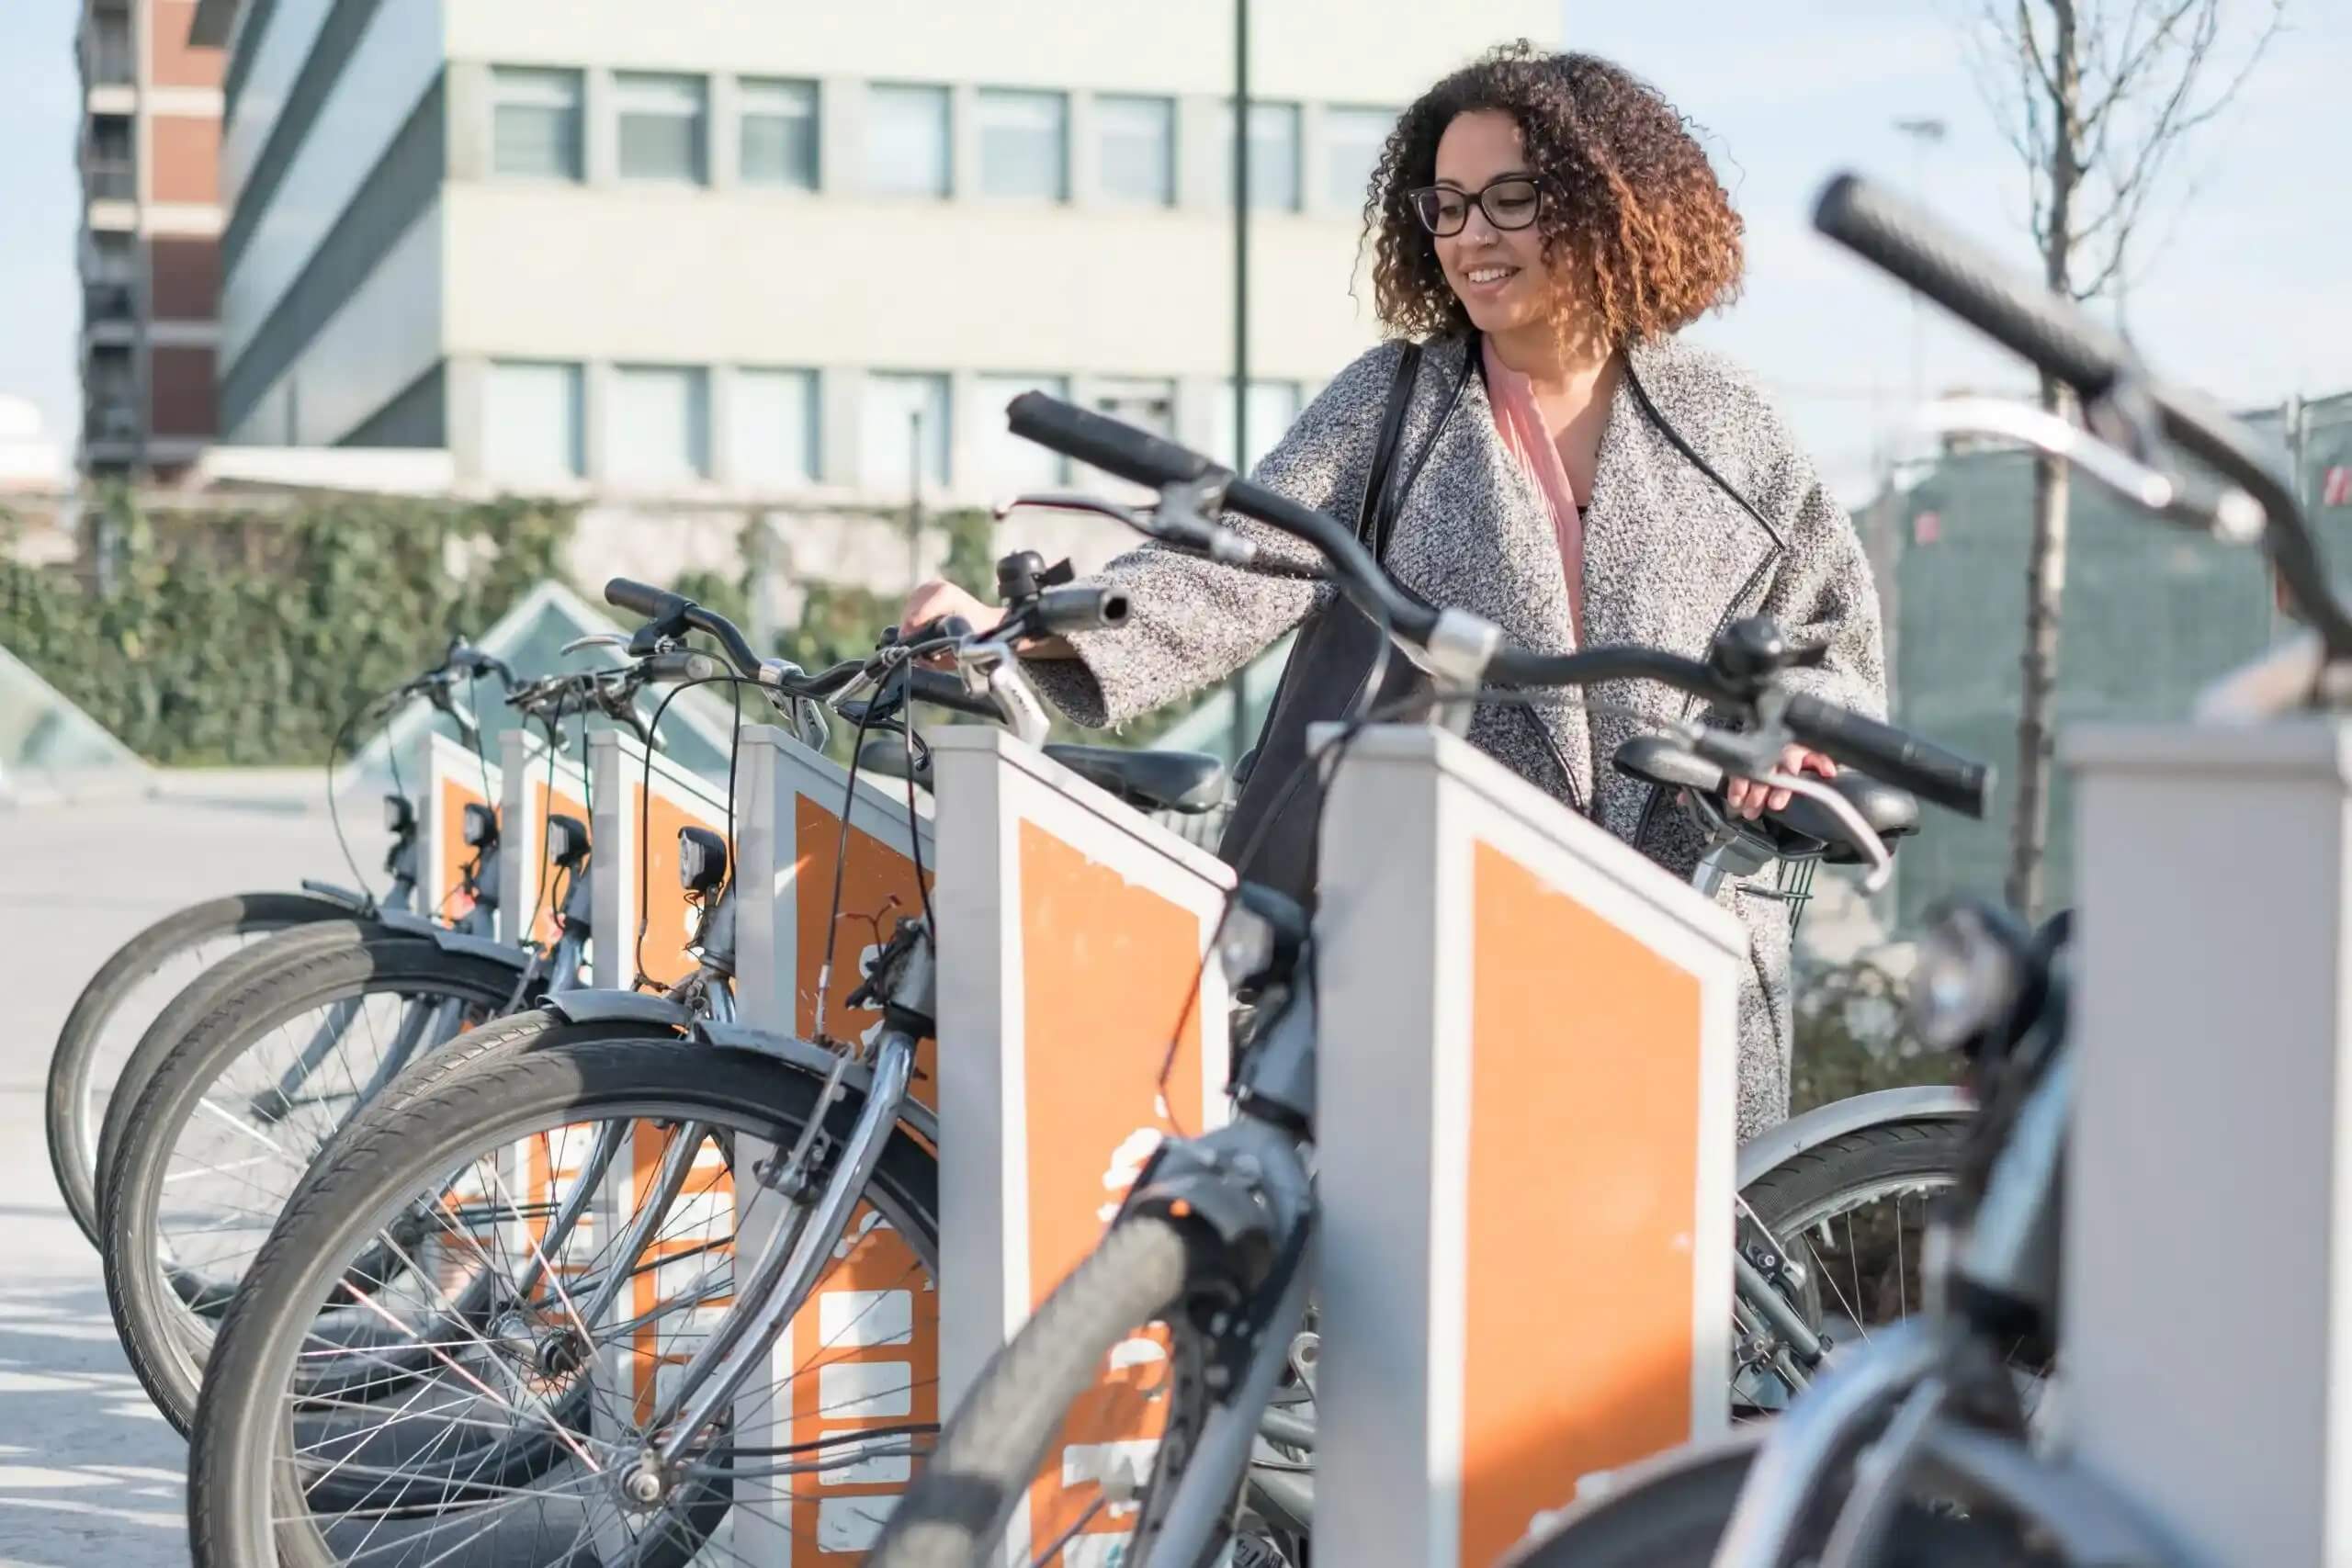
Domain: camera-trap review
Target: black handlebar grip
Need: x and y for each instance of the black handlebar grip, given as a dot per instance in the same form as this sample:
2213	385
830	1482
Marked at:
1892	755
1081	607
1883	228
1108	445
643	599
941	690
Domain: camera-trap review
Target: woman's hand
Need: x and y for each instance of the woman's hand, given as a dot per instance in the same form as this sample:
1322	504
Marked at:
1749	799
938	599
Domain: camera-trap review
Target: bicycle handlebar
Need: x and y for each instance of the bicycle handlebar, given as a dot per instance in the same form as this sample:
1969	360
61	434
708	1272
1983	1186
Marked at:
2057	338
1883	751
1900	758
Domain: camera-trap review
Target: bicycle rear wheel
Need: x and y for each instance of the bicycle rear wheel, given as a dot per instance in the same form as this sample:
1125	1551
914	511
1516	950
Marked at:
129	993
202	1176
476	1462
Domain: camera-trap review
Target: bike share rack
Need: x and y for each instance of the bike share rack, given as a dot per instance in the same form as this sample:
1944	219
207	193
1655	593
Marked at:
2207	1312
1525	1131
864	1351
1080	1027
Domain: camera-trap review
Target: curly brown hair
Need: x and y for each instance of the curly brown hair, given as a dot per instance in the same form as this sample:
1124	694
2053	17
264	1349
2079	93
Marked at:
1633	216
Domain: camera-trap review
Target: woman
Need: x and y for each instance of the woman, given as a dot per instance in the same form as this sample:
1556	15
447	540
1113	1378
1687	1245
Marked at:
1543	225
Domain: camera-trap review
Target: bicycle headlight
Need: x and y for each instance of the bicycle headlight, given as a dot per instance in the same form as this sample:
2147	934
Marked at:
399	816
567	840
481	825
1967	979
702	861
1245	946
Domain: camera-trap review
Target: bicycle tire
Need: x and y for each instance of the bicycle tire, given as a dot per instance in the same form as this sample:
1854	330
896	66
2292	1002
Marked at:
993	1447
72	1062
244	1506
1913	1148
1671	1514
195	1002
150	1314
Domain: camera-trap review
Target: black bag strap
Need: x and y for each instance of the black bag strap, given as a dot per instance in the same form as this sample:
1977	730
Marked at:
1376	515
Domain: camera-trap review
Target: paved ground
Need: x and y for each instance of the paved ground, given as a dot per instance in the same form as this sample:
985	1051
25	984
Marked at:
89	1474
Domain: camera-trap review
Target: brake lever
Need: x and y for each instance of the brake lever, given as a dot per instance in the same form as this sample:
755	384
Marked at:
595	639
1870	844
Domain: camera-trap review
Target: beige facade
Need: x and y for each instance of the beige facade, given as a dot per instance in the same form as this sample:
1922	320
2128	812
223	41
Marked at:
724	252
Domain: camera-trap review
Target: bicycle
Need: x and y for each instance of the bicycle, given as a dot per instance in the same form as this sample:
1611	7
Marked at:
264	1060
89	1066
1919	1449
596	1073
1213	1239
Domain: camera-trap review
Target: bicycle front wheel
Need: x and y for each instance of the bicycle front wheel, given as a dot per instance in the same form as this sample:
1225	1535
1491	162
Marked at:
224	1133
958	1510
1671	1514
130	992
549	1291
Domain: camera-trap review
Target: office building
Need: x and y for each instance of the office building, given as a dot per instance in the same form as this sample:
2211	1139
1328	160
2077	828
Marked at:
772	250
150	238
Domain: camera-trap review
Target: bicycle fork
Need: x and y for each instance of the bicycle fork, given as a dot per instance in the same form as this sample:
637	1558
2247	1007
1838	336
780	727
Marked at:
796	1257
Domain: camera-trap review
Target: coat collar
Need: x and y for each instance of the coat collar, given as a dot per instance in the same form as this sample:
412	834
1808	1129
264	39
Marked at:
1662	554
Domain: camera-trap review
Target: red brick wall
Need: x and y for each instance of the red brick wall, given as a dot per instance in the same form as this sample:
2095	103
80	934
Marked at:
184	277
180	397
171	62
187	158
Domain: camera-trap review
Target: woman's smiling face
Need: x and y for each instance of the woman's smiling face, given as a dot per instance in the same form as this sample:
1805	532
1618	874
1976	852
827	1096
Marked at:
1497	274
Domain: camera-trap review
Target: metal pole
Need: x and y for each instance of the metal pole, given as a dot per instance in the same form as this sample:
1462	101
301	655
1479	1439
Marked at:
914	497
1238	738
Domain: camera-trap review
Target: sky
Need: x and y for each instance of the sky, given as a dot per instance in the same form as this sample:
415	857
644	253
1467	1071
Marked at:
2246	295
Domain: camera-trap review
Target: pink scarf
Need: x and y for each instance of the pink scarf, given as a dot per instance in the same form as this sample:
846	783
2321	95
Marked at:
1521	424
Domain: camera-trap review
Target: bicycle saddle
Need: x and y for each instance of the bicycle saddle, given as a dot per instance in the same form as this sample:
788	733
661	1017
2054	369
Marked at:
1188	783
1801	828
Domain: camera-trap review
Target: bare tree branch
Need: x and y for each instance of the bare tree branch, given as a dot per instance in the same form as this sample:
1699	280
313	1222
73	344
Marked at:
2124	77
2030	53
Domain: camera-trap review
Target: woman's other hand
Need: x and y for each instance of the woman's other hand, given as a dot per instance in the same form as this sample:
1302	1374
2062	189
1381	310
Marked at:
1749	799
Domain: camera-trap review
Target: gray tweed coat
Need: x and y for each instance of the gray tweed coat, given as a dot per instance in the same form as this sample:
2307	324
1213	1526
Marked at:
1668	557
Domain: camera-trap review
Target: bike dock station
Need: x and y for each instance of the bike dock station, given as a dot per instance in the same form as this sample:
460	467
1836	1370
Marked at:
864	1352
1081	1026
2213	1090
1472	1374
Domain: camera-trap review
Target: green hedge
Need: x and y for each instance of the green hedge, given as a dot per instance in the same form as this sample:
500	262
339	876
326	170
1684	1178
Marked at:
247	637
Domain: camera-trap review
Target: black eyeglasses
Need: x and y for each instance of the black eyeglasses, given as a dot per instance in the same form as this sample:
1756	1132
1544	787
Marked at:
1509	203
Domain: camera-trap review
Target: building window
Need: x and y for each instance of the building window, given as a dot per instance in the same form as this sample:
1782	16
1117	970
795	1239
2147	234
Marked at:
1273	405
658	430
778	133
907	141
1136	149
531	422
902	414
1012	464
1145	404
1024	144
772	427
662	120
110	57
535	123
1274	156
1352	141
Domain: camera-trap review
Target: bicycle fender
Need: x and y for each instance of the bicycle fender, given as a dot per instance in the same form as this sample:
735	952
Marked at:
1930	1103
613	1006
357	903
814	1060
448	941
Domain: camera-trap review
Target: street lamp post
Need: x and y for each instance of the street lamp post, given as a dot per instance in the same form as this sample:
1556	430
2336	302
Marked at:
1924	131
1237	728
